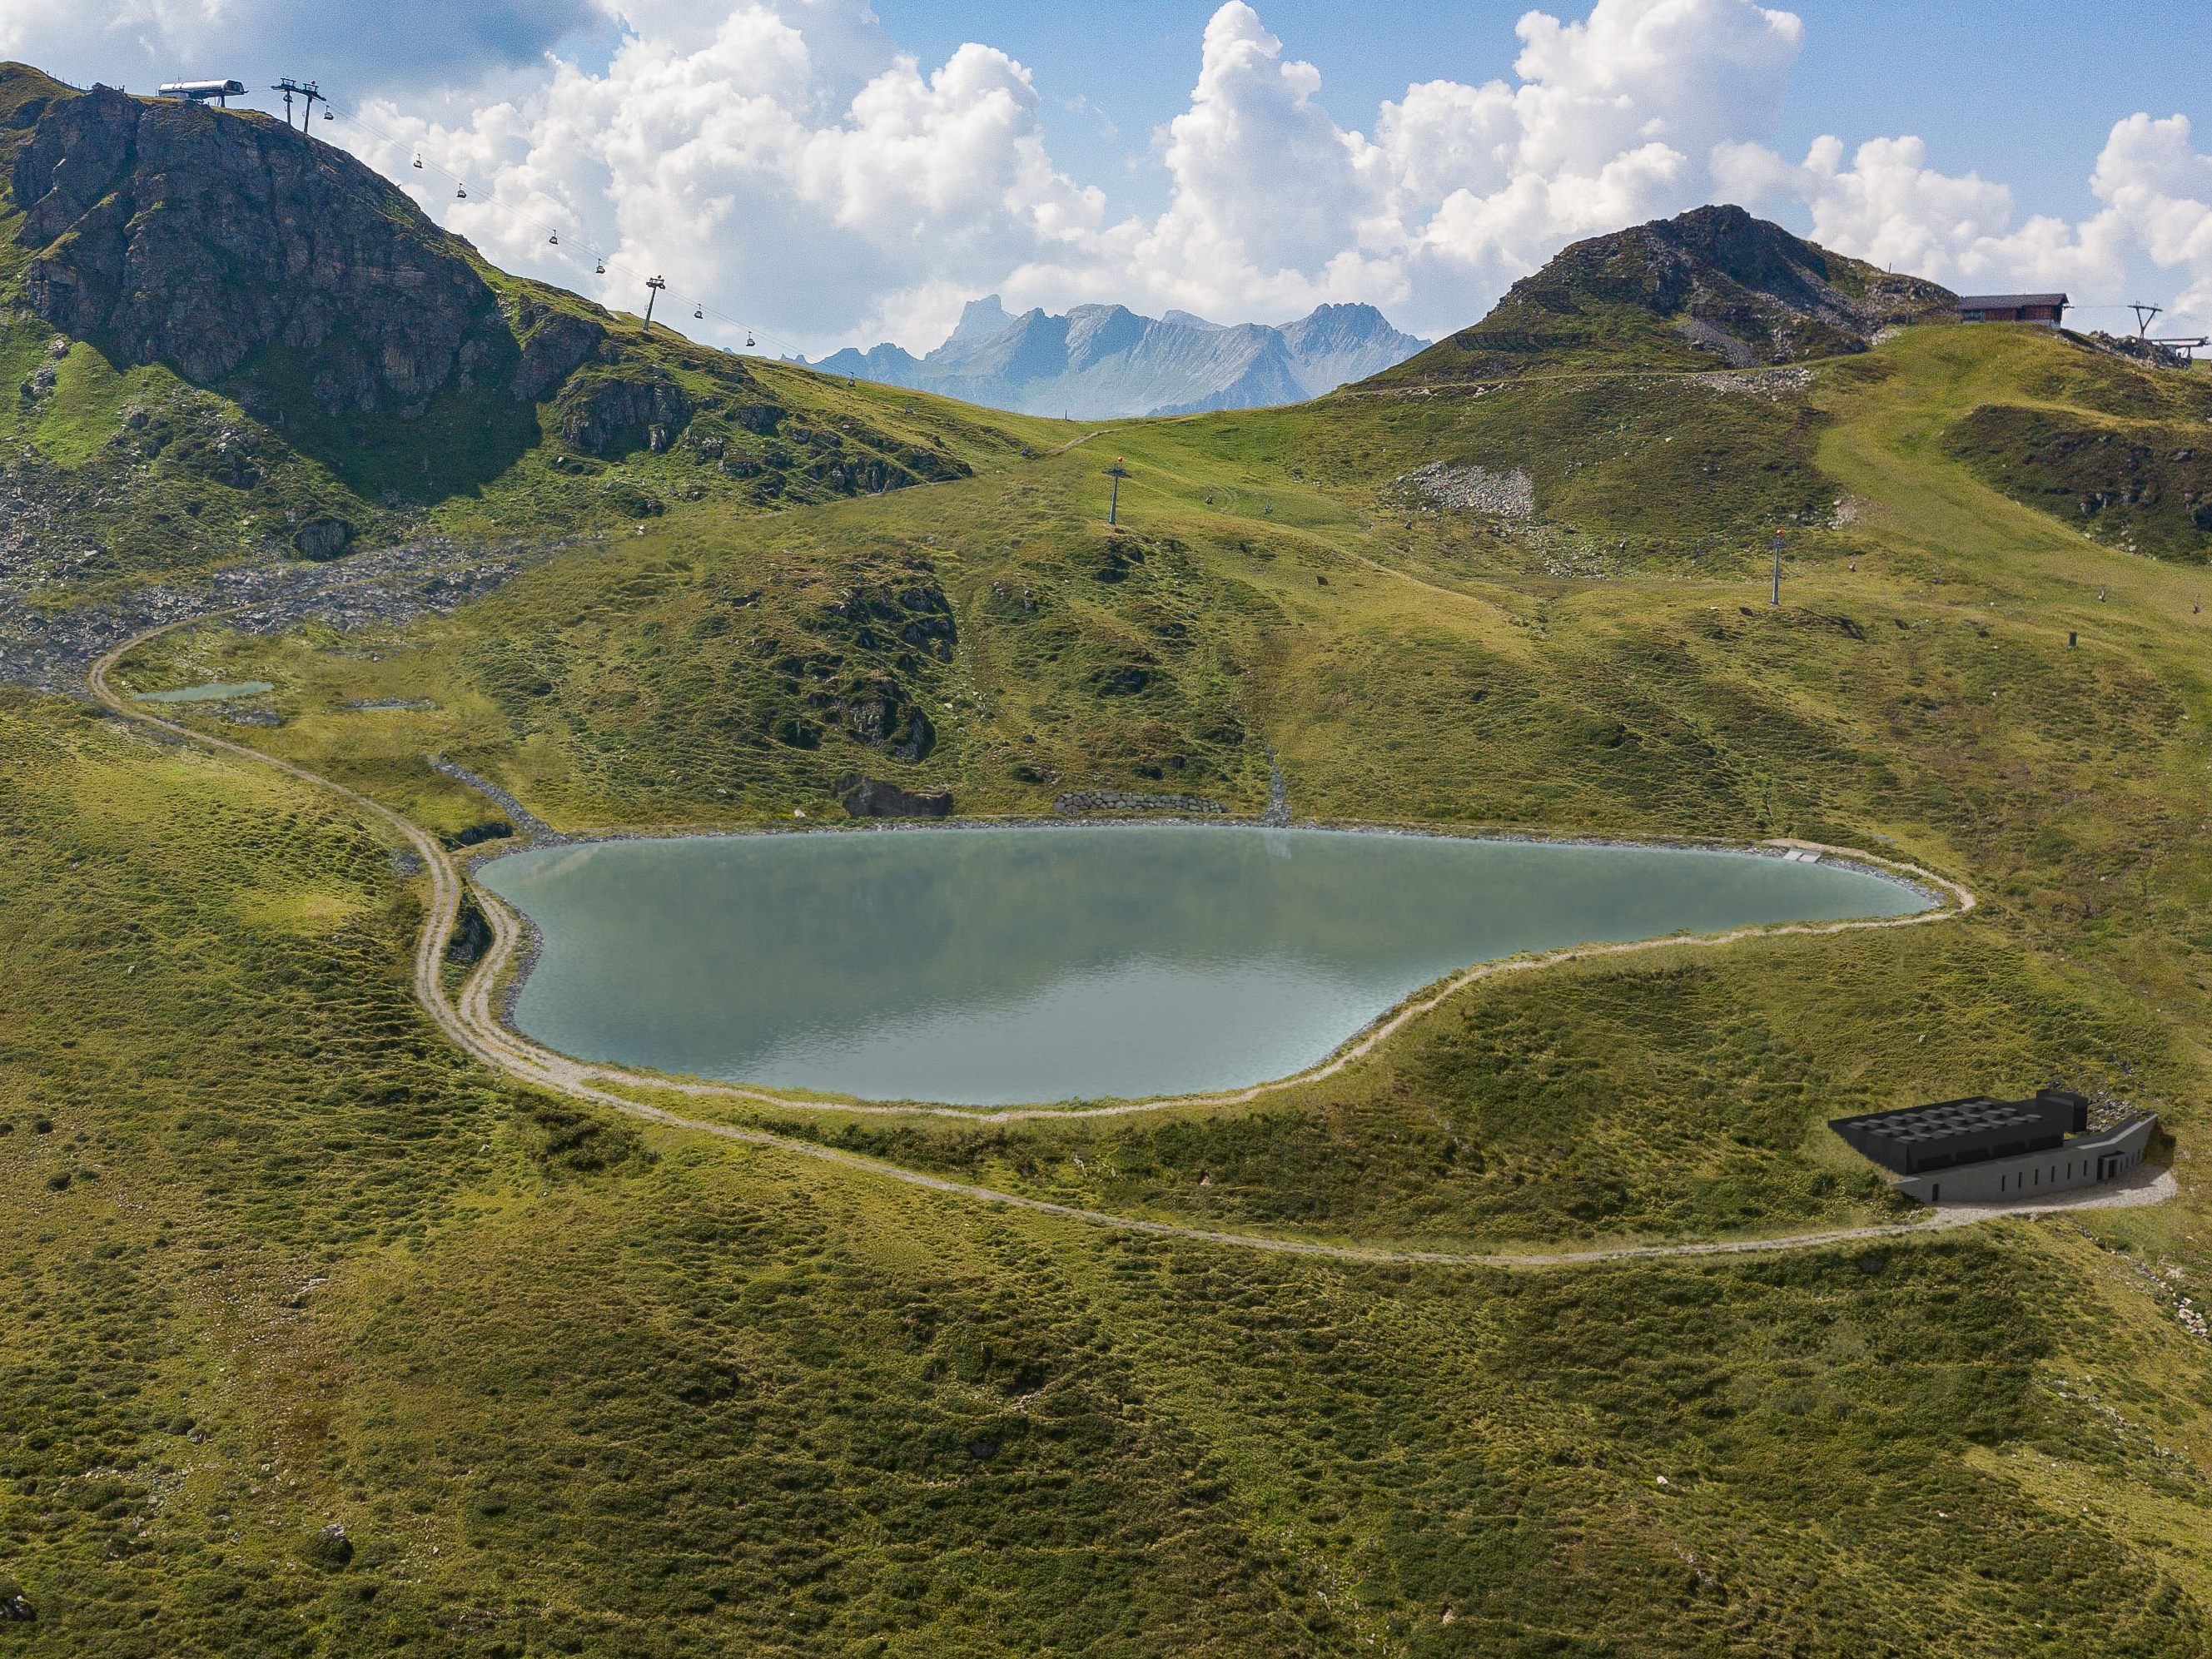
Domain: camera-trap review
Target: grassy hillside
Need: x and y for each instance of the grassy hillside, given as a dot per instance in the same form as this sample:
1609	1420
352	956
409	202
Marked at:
1908	1418
571	1387
136	453
568	1382
1605	664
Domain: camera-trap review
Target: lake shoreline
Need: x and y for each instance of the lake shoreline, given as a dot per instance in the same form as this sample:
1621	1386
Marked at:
1871	864
1934	897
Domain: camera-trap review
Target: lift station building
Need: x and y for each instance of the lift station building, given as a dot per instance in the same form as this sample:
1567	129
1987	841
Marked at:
1979	1150
2049	309
198	92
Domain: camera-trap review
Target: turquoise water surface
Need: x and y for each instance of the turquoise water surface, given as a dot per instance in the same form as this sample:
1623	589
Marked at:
987	967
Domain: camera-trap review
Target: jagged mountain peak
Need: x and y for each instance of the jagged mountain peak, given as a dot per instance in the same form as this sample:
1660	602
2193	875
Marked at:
1102	360
980	319
1340	313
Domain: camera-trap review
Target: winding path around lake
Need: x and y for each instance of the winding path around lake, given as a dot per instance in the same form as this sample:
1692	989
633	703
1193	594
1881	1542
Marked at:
472	1024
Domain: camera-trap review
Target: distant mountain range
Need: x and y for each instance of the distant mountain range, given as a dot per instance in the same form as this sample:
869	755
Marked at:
1103	361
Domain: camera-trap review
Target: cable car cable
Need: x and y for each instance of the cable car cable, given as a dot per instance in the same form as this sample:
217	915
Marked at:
701	311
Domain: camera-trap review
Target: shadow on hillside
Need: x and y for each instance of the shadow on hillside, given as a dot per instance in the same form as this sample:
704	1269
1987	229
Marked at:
469	434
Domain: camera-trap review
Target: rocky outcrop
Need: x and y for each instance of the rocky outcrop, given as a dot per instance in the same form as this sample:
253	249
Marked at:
616	410
2151	354
320	538
553	345
916	614
885	715
471	935
1709	287
222	451
209	240
871	663
871	798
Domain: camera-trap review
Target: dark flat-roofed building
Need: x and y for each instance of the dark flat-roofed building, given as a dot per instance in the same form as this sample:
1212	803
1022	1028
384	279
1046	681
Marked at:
2049	308
1986	1150
1917	1138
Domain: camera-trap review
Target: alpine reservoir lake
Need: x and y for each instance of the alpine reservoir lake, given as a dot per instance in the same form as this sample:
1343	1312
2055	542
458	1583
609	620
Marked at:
992	967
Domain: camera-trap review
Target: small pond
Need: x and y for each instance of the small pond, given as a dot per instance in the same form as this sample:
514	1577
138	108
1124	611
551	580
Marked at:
213	691
988	967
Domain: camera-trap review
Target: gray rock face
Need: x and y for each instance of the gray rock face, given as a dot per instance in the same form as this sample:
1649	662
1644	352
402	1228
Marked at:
871	798
615	412
885	716
175	234
230	248
555	344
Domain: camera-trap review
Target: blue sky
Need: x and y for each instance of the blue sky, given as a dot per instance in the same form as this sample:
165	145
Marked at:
2026	102
823	171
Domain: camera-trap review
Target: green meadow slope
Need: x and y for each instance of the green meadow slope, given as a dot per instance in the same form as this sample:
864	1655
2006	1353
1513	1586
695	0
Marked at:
223	339
570	1382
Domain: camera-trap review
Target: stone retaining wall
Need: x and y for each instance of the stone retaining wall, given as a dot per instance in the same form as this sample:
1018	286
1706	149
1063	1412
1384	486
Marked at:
1077	801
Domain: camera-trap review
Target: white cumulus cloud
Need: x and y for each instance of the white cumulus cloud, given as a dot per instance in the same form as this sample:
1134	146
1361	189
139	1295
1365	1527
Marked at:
2156	183
1889	204
785	164
1275	207
801	173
